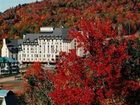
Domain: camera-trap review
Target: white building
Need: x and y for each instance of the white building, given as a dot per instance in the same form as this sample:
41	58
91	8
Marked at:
41	47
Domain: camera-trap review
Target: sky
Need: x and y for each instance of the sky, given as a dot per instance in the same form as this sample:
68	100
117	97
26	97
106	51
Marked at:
6	4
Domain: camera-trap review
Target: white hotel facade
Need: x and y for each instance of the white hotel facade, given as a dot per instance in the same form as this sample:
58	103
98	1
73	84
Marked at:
41	47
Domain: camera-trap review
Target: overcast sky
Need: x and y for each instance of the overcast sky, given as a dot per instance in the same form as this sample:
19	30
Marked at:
6	4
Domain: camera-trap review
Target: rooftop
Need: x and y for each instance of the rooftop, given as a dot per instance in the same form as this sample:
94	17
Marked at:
3	93
6	59
45	33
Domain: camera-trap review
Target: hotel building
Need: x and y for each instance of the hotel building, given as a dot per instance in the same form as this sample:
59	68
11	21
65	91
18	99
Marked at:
41	47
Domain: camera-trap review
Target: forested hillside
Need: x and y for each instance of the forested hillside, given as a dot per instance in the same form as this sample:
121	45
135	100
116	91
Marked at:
27	18
108	73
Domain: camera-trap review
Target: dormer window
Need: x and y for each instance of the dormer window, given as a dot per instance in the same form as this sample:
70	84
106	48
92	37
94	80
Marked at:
27	40
40	37
24	43
20	47
35	42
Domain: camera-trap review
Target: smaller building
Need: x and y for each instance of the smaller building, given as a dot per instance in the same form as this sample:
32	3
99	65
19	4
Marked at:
7	98
8	66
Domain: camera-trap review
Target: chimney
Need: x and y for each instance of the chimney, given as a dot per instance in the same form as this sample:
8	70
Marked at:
23	36
46	29
4	41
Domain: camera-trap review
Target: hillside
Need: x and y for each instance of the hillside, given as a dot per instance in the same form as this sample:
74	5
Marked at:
27	18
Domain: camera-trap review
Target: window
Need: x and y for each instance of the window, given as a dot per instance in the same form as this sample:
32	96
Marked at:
19	57
24	55
52	49
32	48
44	49
43	42
75	45
36	55
52	59
48	55
56	49
48	48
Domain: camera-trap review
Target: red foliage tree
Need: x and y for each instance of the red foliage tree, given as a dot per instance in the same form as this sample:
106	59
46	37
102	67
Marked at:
34	74
97	75
36	85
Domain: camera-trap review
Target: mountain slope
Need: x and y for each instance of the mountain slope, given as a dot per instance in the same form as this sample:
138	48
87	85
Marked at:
29	17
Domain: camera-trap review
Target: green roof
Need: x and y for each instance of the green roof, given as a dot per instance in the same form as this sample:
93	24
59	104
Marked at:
3	93
1	59
6	59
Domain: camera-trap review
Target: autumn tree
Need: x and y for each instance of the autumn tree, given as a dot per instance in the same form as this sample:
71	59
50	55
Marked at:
123	13
96	77
36	86
131	70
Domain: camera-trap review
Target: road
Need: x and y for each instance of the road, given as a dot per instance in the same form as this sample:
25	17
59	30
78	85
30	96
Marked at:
12	78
